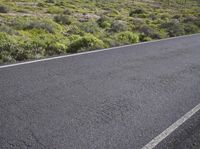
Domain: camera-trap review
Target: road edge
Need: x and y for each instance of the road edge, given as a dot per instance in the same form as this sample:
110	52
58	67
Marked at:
90	52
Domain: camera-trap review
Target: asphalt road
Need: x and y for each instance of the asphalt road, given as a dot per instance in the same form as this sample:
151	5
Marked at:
116	99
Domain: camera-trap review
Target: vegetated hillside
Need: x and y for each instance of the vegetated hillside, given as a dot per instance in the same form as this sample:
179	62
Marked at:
31	29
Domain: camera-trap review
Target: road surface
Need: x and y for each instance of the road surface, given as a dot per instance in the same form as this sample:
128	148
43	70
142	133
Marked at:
120	98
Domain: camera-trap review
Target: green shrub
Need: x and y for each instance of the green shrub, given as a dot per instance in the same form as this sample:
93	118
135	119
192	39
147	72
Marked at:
6	42
8	30
146	39
126	38
110	42
50	1
74	37
5	57
74	29
63	19
189	19
143	15
104	22
197	23
119	26
59	3
19	23
165	16
56	44
45	24
54	10
20	54
89	27
136	11
4	9
88	42
113	13
138	22
67	12
191	28
40	4
40	25
48	44
177	16
174	28
147	31
7	45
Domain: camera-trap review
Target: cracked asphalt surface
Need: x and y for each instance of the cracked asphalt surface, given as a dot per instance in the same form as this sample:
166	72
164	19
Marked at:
116	99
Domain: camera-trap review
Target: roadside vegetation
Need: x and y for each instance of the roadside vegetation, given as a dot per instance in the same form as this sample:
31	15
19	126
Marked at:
33	29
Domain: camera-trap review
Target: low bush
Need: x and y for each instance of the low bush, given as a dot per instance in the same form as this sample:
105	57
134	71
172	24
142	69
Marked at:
197	23
87	42
4	9
45	24
40	25
48	44
104	22
54	10
126	38
174	28
110	42
191	28
40	4
63	19
136	11
6	42
8	30
5	57
74	29
89	27
119	26
7	45
138	22
146	39
189	19
147	31
50	1
165	16
20	54
67	12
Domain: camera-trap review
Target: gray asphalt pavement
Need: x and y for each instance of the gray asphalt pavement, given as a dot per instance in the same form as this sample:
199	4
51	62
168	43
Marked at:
116	99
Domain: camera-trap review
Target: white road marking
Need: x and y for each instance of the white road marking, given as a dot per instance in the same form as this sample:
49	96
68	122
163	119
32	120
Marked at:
153	143
95	51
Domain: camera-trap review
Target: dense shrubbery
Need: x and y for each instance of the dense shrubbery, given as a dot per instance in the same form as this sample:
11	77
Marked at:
49	27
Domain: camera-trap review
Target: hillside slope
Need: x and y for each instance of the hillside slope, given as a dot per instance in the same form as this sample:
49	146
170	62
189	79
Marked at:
31	29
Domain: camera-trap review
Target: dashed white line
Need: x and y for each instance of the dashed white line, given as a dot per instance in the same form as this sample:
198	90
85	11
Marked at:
153	143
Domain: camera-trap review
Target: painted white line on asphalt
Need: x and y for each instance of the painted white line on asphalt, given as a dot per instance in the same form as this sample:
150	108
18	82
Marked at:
95	51
153	143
